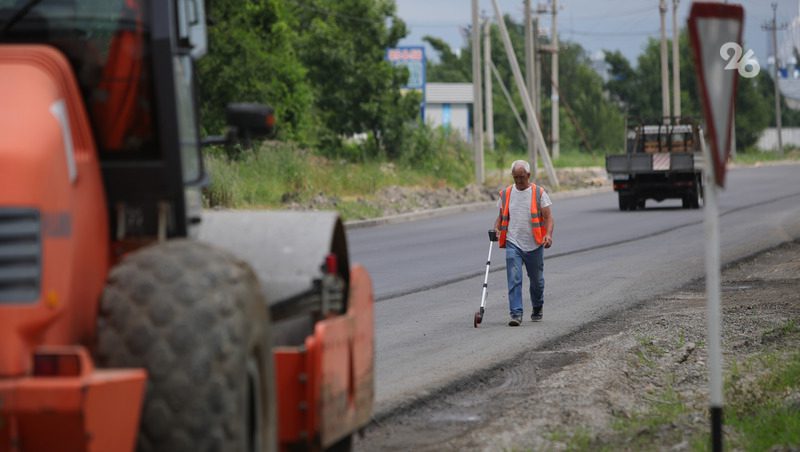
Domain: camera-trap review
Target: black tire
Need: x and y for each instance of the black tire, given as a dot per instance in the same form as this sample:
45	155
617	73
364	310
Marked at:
691	200
628	202
695	204
196	319
624	202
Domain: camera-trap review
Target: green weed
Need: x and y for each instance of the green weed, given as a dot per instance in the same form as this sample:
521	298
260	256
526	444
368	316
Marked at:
765	411
277	174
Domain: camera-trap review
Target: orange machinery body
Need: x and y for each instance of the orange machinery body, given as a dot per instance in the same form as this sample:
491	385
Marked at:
326	387
49	166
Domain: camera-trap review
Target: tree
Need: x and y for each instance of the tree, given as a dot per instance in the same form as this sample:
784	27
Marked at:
252	57
622	81
641	90
342	44
451	68
582	91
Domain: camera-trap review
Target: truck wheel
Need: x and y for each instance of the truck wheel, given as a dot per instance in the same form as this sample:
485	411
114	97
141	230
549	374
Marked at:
627	202
624	202
691	200
695	200
195	318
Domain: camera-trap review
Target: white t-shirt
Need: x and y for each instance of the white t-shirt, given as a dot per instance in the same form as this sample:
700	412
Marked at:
519	212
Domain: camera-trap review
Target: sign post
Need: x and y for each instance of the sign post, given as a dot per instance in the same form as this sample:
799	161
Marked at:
713	28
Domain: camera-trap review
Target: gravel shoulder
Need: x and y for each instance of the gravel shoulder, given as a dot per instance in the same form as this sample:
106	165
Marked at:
634	381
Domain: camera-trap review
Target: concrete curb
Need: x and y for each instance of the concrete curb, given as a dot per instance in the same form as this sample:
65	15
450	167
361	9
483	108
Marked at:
449	210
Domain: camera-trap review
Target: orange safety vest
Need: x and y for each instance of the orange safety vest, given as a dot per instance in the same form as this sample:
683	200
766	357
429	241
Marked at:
537	226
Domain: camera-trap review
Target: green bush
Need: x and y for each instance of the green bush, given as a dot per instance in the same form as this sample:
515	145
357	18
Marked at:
439	153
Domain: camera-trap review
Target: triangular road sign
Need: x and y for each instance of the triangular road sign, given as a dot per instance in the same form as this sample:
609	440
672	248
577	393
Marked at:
715	32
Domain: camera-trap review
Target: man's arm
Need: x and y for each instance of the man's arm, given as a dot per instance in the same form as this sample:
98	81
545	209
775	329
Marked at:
549	224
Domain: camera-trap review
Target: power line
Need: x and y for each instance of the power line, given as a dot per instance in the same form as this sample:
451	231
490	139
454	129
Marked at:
611	33
773	26
633	12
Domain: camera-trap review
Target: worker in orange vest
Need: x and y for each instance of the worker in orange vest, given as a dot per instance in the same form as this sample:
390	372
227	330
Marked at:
525	224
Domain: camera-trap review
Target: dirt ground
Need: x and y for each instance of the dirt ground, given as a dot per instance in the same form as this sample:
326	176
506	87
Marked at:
579	390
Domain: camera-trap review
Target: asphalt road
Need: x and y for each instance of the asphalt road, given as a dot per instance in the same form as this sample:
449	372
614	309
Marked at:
428	275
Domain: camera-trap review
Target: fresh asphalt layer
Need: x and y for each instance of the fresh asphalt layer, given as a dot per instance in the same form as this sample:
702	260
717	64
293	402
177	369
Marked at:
428	274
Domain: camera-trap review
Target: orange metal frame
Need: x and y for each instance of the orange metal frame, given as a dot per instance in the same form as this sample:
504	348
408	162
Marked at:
97	410
326	387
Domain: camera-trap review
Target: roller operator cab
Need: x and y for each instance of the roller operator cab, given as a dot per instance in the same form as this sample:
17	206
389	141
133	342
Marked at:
125	321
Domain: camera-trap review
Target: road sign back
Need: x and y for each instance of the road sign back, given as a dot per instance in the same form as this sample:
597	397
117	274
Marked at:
713	27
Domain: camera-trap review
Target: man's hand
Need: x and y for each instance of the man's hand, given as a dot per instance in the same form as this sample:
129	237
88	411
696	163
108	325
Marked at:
548	241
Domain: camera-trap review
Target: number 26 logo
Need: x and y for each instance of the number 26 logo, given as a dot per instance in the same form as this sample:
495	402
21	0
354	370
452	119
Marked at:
736	61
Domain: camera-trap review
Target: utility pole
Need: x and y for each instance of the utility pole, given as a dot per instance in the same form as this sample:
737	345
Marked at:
676	64
537	68
662	7
477	104
523	91
487	76
529	74
555	146
774	27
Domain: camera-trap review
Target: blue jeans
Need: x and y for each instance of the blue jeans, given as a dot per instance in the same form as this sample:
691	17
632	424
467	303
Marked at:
534	265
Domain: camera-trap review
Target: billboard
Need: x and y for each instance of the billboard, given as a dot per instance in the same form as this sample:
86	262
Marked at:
414	59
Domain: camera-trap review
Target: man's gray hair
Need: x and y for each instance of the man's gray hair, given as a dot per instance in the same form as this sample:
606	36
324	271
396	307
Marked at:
523	164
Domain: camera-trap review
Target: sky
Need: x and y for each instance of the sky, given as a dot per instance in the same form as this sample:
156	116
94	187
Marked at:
596	25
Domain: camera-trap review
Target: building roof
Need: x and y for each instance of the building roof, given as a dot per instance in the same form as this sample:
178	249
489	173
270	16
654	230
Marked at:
448	93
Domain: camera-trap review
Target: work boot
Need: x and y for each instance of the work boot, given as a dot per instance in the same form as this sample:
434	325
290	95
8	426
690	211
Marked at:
537	314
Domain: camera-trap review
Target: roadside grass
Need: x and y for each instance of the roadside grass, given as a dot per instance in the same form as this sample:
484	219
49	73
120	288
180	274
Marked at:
648	351
277	174
574	158
764	392
752	156
762	405
577	440
665	409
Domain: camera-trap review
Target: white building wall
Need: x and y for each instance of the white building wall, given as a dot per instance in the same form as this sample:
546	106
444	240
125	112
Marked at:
447	104
768	141
457	117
